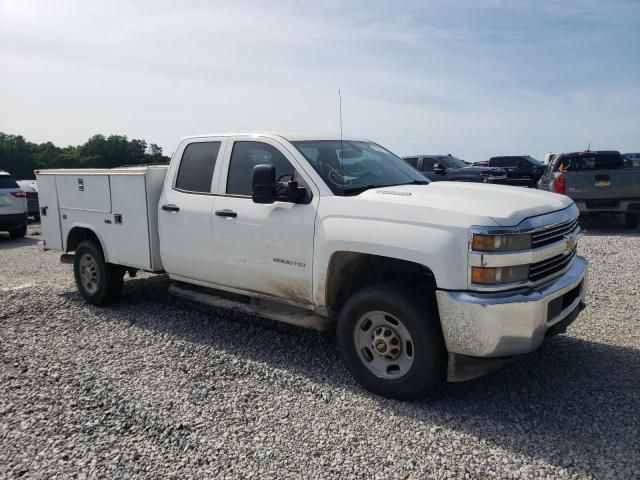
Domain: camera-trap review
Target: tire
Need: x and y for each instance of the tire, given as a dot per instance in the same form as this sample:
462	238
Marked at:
421	361
631	220
18	232
99	282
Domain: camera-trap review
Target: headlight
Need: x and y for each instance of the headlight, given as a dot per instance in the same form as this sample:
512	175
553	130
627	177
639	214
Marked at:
499	275
509	242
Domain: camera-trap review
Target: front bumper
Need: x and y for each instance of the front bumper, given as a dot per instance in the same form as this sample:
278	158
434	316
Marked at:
504	324
631	205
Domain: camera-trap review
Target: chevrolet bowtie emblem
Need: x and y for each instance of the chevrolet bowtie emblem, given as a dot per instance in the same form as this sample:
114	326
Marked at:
570	244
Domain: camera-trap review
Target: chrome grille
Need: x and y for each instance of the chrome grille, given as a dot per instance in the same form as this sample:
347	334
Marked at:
552	233
550	266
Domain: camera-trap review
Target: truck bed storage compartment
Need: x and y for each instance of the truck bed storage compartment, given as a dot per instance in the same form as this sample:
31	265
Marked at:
119	205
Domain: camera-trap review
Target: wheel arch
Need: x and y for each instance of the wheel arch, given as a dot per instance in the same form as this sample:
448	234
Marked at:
349	272
80	233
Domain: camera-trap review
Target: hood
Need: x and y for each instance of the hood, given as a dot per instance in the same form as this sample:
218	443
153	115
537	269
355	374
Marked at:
506	205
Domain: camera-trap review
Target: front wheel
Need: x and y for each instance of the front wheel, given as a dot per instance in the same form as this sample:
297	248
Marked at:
99	282
391	342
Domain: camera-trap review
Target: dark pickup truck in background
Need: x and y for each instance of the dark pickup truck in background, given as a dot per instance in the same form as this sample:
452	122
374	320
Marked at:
522	170
449	168
598	182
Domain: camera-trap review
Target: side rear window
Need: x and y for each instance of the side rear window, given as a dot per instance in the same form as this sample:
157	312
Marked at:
6	181
196	167
503	162
427	164
524	163
245	156
413	161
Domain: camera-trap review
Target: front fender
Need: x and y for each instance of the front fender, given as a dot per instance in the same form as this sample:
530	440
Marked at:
443	250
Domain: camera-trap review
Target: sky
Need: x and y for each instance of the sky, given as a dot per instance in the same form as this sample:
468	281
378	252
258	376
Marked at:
471	78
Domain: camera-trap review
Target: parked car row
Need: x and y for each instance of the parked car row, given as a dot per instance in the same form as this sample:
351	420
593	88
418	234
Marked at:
517	170
448	167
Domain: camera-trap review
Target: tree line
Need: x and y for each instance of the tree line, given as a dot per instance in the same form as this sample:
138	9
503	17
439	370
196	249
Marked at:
20	157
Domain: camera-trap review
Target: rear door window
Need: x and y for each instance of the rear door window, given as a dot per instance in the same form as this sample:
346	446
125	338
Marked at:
196	167
6	181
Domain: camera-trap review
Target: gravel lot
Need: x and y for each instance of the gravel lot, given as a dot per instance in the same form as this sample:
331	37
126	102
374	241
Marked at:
157	387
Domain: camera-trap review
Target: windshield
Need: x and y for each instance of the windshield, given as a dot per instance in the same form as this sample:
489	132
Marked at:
351	167
451	162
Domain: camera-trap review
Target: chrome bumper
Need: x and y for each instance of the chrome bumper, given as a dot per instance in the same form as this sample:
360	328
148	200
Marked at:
508	323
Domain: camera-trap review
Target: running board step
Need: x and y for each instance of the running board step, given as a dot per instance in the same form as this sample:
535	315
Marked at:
294	316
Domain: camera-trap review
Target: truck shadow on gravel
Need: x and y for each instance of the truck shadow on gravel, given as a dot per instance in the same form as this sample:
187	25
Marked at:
6	242
573	403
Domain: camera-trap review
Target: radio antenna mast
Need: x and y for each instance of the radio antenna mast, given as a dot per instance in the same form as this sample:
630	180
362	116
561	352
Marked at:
341	147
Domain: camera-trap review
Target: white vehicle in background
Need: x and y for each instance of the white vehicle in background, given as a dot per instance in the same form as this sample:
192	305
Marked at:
13	207
632	159
423	282
548	157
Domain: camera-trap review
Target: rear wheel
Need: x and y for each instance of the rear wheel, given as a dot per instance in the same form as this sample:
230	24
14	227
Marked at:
391	342
99	282
18	232
631	220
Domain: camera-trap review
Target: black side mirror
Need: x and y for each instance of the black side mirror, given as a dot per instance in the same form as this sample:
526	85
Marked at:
263	183
439	168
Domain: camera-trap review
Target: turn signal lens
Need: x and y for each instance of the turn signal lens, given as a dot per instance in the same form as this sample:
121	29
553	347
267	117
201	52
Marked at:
483	275
500	275
501	243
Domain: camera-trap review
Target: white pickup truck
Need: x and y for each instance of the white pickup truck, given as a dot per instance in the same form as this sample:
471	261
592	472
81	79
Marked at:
424	282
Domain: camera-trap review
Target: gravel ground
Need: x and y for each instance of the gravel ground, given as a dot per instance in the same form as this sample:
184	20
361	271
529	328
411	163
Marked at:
157	387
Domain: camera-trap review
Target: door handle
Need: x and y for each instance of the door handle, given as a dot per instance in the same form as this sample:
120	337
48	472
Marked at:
226	213
171	208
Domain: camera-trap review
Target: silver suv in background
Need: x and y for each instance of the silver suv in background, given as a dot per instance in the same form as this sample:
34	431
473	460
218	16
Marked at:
598	182
13	207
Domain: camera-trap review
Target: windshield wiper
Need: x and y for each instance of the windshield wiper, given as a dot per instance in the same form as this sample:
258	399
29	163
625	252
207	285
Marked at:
357	190
414	182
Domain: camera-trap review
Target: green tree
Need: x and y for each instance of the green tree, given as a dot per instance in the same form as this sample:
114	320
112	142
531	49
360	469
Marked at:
20	158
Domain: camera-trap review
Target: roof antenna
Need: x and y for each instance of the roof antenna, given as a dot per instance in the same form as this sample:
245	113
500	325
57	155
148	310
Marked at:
341	147
589	147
